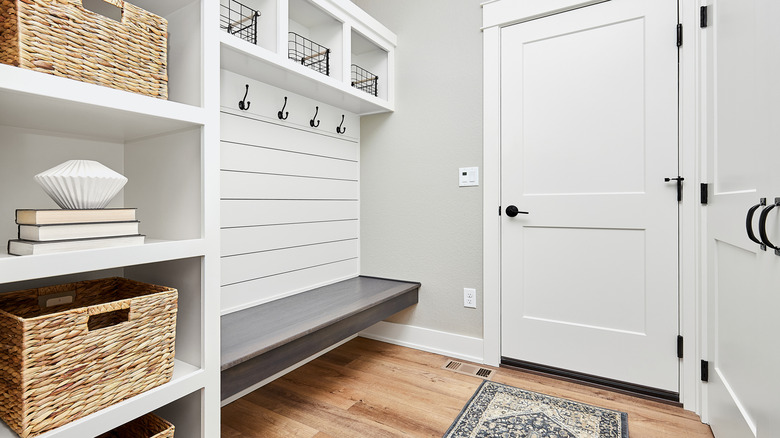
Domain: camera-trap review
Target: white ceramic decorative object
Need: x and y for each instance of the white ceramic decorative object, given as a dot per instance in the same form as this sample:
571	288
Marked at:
81	184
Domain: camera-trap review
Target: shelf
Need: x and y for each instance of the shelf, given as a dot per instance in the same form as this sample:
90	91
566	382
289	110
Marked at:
263	65
371	60
33	100
316	30
186	380
20	268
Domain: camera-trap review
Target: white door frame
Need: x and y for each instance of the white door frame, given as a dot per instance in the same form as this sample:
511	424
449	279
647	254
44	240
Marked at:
495	15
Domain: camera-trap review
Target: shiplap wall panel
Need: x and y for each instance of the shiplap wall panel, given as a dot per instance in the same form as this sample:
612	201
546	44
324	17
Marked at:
236	241
239	213
263	133
289	204
266	263
263	160
243	185
235	296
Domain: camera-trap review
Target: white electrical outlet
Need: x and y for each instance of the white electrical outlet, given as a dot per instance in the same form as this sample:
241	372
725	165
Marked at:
470	298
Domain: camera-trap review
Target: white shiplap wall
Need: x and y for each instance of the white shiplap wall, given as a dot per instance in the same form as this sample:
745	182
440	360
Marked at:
289	195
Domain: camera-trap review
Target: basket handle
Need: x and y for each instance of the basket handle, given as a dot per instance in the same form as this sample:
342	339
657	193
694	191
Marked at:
108	315
93	7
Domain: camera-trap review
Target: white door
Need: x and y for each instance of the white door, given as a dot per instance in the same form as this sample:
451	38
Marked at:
589	132
741	69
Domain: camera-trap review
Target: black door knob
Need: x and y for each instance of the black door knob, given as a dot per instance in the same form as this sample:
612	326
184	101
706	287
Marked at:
512	211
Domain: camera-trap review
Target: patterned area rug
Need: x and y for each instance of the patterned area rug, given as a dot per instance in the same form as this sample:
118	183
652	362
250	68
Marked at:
498	410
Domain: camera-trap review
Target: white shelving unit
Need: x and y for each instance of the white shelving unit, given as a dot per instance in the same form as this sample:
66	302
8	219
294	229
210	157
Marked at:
169	151
336	24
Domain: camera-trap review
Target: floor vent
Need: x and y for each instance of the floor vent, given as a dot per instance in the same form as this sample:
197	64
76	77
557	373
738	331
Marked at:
469	370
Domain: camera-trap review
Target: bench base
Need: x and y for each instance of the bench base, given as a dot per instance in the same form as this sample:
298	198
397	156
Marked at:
238	375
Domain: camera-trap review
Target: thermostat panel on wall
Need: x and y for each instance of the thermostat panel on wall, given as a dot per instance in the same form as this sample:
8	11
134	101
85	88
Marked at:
468	176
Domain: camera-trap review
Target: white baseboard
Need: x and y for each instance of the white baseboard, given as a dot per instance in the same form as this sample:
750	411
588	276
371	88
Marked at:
433	341
268	380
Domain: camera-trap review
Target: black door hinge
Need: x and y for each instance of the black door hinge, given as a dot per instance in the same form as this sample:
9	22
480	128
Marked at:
705	371
705	193
679	346
703	17
679	34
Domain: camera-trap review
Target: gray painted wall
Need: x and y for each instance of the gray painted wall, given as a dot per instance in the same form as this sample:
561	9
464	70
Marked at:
417	224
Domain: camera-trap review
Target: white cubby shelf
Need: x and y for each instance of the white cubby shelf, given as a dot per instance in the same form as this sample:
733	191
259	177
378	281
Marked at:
168	150
186	379
174	264
350	34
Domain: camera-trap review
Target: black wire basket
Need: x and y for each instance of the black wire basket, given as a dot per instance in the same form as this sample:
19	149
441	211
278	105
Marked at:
239	20
308	53
364	80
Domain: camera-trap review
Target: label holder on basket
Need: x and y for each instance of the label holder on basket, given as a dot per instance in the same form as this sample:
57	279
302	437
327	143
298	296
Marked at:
57	299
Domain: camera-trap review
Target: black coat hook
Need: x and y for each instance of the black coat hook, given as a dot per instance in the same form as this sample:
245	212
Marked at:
339	129
311	122
283	114
243	104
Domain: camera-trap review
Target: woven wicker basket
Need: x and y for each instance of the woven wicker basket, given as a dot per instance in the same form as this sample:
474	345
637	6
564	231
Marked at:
59	363
62	38
148	426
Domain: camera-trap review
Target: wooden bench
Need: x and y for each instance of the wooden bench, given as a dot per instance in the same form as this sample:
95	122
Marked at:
261	341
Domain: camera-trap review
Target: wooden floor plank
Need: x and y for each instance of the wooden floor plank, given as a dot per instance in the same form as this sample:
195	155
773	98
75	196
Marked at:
338	356
430	379
403	421
387	396
251	420
318	415
367	388
383	401
229	432
323	386
389	383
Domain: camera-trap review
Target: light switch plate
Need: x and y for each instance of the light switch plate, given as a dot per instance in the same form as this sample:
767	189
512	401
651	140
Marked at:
468	176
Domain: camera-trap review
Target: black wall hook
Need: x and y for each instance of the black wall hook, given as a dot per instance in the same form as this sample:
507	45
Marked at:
311	122
339	129
243	104
283	114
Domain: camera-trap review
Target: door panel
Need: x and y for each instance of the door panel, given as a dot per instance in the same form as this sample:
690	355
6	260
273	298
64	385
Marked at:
735	303
623	289
583	104
742	289
589	131
734	277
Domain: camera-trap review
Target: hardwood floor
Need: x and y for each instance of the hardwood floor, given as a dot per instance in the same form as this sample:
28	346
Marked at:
368	389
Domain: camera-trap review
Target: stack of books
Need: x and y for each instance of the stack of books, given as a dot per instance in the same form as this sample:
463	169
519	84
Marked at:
53	231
